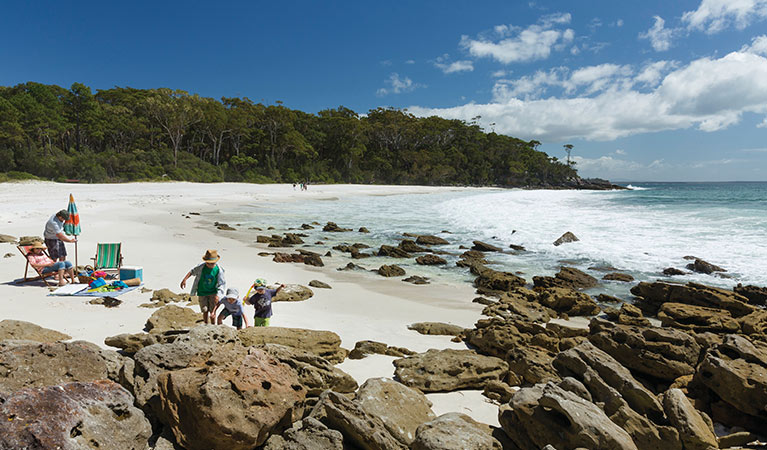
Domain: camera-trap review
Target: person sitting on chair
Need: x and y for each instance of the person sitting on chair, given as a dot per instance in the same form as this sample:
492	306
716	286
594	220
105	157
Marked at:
46	265
54	235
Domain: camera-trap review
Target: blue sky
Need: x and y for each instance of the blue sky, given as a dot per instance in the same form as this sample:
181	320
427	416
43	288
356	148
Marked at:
651	90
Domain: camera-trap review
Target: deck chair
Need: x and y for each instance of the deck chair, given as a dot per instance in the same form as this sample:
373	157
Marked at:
24	249
108	257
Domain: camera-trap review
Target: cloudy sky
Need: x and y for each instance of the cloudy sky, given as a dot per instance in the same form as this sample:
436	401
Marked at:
653	90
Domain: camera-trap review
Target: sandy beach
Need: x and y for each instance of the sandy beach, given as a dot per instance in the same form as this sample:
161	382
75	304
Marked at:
150	221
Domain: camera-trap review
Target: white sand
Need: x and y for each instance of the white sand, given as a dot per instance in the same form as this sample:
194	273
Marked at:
147	218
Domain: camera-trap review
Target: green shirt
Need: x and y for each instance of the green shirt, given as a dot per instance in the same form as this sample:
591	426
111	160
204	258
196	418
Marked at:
208	279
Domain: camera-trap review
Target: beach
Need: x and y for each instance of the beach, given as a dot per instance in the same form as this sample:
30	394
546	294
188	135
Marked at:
151	221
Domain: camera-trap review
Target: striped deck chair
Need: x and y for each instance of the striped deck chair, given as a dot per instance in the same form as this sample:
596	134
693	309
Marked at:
24	249
108	257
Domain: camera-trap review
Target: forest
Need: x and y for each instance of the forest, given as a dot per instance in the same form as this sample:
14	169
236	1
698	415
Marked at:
125	134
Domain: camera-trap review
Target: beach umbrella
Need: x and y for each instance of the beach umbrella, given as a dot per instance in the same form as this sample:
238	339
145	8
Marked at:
72	225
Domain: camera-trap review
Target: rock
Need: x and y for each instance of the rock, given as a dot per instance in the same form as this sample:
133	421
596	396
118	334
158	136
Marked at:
755	295
166	296
292	239
436	328
656	353
454	431
627	315
430	260
415	279
315	373
108	302
430	240
26	364
333	228
547	414
351	266
131	343
484	247
531	364
229	400
474	255
391	271
6	238
518	248
29	240
359	428
738	439
496	337
569	301
261	239
411	247
604	298
498	391
319	284
98	414
448	370
9	255
364	348
754	323
288	258
565	238
576	279
293	293
225	227
701	266
306	434
491	281
393	252
400	408
521	304
313	260
671	271
322	343
26	331
615	276
655	294
697	318
363	230
306	226
172	317
694	431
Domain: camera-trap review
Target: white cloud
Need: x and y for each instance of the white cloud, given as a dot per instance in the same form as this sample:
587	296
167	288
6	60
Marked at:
456	66
398	85
710	94
519	45
619	23
758	46
500	73
620	152
713	16
660	37
410	61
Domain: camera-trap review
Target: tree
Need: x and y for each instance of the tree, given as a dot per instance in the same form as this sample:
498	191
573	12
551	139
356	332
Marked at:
568	149
174	111
79	104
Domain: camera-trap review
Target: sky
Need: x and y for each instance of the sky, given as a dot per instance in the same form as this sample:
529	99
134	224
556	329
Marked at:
644	91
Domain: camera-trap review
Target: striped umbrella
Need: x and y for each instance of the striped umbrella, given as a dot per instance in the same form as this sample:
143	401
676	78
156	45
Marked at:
72	225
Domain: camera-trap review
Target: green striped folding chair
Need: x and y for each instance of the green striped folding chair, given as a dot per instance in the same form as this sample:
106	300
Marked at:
108	257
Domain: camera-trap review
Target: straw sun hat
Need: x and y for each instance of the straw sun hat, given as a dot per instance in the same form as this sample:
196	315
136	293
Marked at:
211	256
38	244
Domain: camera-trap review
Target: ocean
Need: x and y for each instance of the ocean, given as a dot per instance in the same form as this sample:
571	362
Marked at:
639	231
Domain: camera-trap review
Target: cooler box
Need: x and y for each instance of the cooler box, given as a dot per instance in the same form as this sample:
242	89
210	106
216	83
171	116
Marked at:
129	272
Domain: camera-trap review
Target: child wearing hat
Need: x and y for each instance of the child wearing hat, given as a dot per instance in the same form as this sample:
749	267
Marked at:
262	301
209	284
232	307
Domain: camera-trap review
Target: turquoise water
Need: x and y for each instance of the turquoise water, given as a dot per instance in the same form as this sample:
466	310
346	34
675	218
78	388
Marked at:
639	231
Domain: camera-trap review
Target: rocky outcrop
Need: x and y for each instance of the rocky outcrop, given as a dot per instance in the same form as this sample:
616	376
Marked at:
230	399
25	331
359	428
566	238
333	228
628	314
364	348
485	247
391	271
172	317
326	344
306	434
415	279
436	328
531	364
672	271
520	304
756	295
702	266
449	370
695	432
293	293
569	301
454	431
399	407
98	414
656	294
393	252
430	260
430	240
491	281
567	277
615	276
131	343
697	318
496	337
409	246
315	373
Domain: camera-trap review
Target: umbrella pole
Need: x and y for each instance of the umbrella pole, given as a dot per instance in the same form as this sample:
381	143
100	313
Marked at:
76	269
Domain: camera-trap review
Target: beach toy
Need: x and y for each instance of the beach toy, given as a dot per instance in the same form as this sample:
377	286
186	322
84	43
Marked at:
257	283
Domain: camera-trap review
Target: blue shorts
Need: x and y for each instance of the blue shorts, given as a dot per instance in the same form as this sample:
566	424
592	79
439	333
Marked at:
236	318
58	265
56	248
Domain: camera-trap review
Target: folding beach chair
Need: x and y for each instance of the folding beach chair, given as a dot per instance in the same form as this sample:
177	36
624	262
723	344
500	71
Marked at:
108	257
24	249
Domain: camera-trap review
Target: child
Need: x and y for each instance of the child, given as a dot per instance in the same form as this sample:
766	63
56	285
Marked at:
262	301
232	307
209	284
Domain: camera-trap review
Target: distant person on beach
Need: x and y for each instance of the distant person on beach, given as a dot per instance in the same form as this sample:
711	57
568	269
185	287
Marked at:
232	307
209	284
262	301
45	265
294	186
55	237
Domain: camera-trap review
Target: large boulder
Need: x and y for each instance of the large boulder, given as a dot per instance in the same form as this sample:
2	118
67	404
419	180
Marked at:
697	318
568	277
531	364
695	432
70	416
231	400
359	428
391	271
491	281
454	431
306	434
656	294
25	331
172	317
549	415
315	373
326	344
401	408
657	353
293	293
449	370
569	301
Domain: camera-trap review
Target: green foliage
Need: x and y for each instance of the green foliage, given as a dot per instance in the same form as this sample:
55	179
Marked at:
126	134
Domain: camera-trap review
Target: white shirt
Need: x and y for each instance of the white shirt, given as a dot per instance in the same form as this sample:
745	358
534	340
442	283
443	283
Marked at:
53	227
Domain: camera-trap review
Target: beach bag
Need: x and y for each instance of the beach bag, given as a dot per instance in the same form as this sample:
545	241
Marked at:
86	276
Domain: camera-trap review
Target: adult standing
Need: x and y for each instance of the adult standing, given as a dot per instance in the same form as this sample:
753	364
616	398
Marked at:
55	237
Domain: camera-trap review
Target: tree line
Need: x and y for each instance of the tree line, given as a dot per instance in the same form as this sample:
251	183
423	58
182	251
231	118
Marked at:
126	134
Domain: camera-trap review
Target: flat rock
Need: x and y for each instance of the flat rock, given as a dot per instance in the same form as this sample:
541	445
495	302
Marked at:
166	296
315	373
306	434
98	414
393	252
436	328
496	337
485	247
491	281
410	246
26	331
172	317
569	301
756	295
616	276
131	343
415	279
449	370
6	238
656	294
694	431
326	344
697	318
293	293
430	260
454	431
426	239
319	284
363	348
